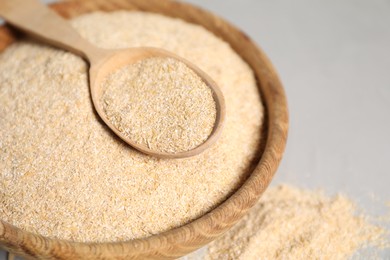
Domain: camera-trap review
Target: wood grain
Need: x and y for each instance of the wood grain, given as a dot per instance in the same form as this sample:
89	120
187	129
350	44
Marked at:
182	240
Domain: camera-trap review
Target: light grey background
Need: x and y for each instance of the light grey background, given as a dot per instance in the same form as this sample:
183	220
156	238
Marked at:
334	60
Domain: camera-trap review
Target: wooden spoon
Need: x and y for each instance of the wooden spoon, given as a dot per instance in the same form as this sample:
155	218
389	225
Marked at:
36	19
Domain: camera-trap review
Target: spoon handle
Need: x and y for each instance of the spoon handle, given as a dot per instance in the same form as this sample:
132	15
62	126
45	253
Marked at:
36	19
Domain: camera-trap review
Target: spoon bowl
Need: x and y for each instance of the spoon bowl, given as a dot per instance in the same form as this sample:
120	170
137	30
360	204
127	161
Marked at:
39	21
105	62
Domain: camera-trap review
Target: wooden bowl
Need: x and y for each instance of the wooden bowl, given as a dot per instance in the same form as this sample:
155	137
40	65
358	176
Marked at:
182	240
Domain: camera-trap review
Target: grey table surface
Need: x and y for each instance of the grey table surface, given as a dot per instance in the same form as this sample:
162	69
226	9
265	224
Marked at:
334	61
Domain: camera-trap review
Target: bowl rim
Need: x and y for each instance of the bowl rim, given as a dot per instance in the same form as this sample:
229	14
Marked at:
193	235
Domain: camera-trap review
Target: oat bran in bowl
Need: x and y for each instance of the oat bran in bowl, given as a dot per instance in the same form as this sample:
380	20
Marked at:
250	159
